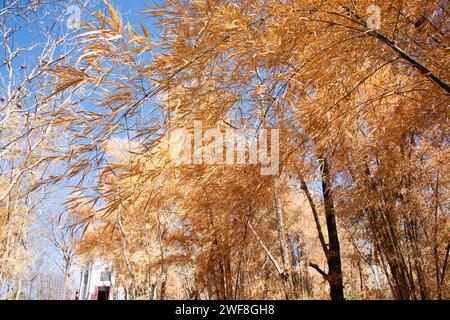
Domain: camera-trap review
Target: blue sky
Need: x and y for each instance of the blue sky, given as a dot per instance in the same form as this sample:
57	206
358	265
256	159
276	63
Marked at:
29	33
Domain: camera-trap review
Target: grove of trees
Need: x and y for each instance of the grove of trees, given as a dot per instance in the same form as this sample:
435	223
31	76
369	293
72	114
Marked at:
358	209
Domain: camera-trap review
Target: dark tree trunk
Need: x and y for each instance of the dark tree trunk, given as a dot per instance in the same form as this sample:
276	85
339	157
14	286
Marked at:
333	253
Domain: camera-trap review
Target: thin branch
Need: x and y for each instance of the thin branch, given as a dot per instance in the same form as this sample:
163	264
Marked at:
305	189
317	268
267	251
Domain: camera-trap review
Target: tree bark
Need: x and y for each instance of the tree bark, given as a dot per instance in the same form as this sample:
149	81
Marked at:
333	253
332	249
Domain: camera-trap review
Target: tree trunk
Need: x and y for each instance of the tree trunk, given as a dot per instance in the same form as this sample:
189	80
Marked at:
284	250
66	272
333	253
331	250
132	289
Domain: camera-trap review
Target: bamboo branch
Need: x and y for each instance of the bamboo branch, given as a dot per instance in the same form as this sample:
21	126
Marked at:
269	255
413	62
317	268
305	189
445	264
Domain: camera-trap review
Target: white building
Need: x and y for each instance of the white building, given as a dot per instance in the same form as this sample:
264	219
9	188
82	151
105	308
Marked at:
97	283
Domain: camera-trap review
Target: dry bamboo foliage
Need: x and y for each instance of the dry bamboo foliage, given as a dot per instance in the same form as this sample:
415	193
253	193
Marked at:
359	206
